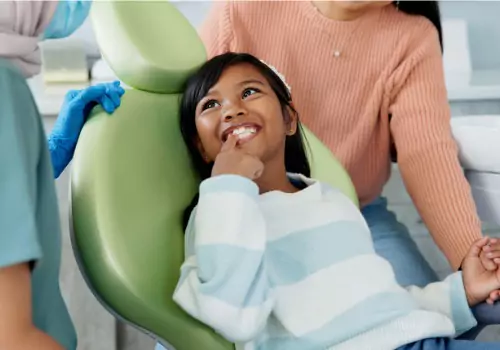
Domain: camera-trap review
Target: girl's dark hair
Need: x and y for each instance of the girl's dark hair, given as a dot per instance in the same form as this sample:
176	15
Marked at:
197	87
428	9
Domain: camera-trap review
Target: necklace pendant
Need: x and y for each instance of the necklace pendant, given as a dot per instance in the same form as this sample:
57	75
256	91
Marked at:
336	53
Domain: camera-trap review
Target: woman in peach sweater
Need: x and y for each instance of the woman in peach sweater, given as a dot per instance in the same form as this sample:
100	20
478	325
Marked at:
367	78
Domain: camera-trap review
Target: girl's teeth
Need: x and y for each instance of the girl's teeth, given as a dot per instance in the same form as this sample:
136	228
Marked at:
244	131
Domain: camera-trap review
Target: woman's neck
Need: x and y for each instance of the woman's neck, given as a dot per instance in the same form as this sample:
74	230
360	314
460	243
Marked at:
335	11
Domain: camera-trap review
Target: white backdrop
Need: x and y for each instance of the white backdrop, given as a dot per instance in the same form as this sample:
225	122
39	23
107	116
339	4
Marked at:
194	11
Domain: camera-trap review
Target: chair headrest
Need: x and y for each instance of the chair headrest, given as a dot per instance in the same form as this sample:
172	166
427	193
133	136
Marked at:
149	45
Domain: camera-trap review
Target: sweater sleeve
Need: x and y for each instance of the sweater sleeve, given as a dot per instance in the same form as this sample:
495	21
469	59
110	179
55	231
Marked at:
216	31
447	298
224	282
427	152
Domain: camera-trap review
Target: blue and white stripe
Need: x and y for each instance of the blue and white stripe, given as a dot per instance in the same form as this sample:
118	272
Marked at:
298	271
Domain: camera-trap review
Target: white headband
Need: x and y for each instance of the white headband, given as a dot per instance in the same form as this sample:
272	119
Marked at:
281	76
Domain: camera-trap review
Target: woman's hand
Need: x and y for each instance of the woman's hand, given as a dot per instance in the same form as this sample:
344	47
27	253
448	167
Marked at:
490	258
490	255
480	284
78	104
74	112
232	160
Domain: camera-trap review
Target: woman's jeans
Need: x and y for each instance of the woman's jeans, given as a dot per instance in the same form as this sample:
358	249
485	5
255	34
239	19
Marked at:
393	242
449	344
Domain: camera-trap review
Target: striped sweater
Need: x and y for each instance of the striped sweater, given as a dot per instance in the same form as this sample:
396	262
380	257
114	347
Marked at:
282	271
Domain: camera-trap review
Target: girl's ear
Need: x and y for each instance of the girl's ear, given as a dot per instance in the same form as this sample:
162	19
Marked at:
291	120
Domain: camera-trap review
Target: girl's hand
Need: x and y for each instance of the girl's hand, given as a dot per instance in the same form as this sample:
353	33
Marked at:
494	297
479	283
233	160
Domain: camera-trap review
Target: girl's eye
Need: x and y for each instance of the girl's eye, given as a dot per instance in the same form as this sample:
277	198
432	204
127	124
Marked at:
209	104
249	92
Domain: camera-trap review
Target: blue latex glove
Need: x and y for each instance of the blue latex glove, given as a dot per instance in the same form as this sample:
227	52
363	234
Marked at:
74	111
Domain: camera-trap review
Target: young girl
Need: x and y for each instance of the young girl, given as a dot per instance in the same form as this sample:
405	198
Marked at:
276	260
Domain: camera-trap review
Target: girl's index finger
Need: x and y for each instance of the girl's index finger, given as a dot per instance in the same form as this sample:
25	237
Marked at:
230	143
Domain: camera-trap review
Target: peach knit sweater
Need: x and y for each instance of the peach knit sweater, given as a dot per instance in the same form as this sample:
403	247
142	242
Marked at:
390	64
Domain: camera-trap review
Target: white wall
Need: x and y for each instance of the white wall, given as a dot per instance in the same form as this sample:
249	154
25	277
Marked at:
194	11
484	29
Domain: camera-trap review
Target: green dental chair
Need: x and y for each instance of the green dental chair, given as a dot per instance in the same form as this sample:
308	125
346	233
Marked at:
131	176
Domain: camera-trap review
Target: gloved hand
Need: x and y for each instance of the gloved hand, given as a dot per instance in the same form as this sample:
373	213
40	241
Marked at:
74	111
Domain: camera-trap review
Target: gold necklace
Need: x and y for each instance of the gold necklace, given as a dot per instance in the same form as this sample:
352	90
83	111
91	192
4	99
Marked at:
337	52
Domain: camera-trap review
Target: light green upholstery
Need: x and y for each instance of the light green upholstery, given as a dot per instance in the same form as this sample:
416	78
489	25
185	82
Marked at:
131	176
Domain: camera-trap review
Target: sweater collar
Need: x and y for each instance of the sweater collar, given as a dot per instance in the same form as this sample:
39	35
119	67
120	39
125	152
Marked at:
312	191
334	27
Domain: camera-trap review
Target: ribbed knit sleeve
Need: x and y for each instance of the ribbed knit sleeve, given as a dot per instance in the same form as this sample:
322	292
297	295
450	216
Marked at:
427	152
216	32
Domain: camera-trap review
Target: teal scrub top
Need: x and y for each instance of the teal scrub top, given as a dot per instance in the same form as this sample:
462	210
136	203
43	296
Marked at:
29	216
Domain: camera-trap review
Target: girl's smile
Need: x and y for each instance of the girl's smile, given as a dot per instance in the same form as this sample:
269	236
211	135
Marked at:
244	131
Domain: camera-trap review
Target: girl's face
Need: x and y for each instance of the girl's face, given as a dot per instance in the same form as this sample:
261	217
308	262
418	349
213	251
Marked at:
243	103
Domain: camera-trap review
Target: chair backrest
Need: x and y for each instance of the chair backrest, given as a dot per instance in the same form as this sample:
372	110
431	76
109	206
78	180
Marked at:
132	178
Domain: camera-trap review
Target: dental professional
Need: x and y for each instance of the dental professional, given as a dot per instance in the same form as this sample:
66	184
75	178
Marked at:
32	311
